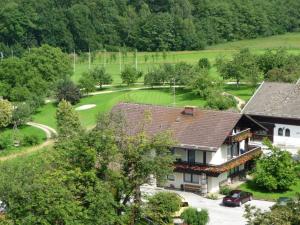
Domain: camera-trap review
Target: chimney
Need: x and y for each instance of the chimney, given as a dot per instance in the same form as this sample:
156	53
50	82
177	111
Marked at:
189	110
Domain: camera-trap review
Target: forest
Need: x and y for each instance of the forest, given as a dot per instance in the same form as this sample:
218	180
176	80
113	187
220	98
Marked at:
145	25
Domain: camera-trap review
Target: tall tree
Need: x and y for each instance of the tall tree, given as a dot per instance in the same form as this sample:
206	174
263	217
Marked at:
68	123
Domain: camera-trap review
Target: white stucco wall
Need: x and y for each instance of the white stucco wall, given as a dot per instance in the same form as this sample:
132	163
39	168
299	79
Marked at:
213	182
292	141
219	156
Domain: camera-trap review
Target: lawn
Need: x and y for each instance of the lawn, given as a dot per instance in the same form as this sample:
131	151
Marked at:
104	102
243	91
147	60
270	196
21	131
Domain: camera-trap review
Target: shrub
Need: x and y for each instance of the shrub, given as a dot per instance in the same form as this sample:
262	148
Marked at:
218	101
225	190
6	141
275	171
192	216
161	206
212	196
30	140
204	63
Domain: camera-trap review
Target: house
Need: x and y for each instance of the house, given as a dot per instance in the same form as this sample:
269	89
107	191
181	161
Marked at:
277	107
213	147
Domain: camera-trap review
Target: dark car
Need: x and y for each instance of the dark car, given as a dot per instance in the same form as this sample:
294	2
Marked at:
237	198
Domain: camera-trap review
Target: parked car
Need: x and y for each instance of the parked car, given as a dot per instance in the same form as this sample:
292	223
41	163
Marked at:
237	198
283	201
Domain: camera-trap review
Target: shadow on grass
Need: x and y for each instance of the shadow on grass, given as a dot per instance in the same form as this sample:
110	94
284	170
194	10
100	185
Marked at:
252	186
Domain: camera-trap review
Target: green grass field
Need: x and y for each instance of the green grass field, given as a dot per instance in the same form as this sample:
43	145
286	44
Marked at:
105	102
148	60
270	196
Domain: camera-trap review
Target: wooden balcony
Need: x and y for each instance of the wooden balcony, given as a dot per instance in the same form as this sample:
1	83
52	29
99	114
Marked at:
240	136
215	170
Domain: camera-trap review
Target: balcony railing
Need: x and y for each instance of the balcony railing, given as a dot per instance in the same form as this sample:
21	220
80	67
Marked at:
240	136
214	170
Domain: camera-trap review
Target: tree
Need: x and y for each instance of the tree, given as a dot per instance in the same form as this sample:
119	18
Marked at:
129	161
6	112
278	214
192	216
101	76
67	90
87	83
130	75
202	84
275	171
68	123
21	114
50	62
154	77
204	63
243	65
161	206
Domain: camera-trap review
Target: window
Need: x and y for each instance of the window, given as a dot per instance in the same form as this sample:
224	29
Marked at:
287	132
191	178
280	132
191	156
171	177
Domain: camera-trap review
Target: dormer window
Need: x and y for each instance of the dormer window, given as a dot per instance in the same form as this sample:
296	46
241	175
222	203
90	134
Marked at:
280	132
287	132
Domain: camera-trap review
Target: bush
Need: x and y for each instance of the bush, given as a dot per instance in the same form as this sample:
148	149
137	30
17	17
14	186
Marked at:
192	216
212	196
162	206
275	171
225	190
30	140
219	101
6	141
204	63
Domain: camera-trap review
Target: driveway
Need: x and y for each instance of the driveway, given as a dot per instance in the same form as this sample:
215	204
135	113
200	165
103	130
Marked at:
218	214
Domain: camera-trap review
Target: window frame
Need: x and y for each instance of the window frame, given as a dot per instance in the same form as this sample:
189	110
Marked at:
287	130
280	131
193	179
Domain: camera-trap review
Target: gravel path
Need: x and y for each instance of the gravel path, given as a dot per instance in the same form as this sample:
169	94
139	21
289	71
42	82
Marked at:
50	132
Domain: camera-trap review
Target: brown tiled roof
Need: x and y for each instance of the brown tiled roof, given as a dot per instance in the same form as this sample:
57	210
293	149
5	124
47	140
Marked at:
275	100
206	129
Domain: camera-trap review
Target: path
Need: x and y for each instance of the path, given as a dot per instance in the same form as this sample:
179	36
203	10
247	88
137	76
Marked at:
240	102
28	150
50	134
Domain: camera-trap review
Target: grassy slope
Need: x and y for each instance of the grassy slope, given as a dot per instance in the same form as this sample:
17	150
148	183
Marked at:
105	102
24	130
148	60
259	194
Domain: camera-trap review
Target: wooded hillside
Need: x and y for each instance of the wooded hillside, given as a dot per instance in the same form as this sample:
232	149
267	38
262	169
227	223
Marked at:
147	25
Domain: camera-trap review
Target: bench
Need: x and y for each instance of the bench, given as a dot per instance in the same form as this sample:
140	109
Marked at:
190	187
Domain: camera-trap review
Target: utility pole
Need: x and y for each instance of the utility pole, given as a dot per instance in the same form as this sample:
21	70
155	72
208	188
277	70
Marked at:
74	61
136	61
89	59
120	60
104	63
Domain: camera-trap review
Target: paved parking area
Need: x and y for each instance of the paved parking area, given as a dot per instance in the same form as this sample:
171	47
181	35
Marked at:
218	214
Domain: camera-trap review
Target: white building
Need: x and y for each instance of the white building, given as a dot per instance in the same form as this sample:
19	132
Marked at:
277	107
213	146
